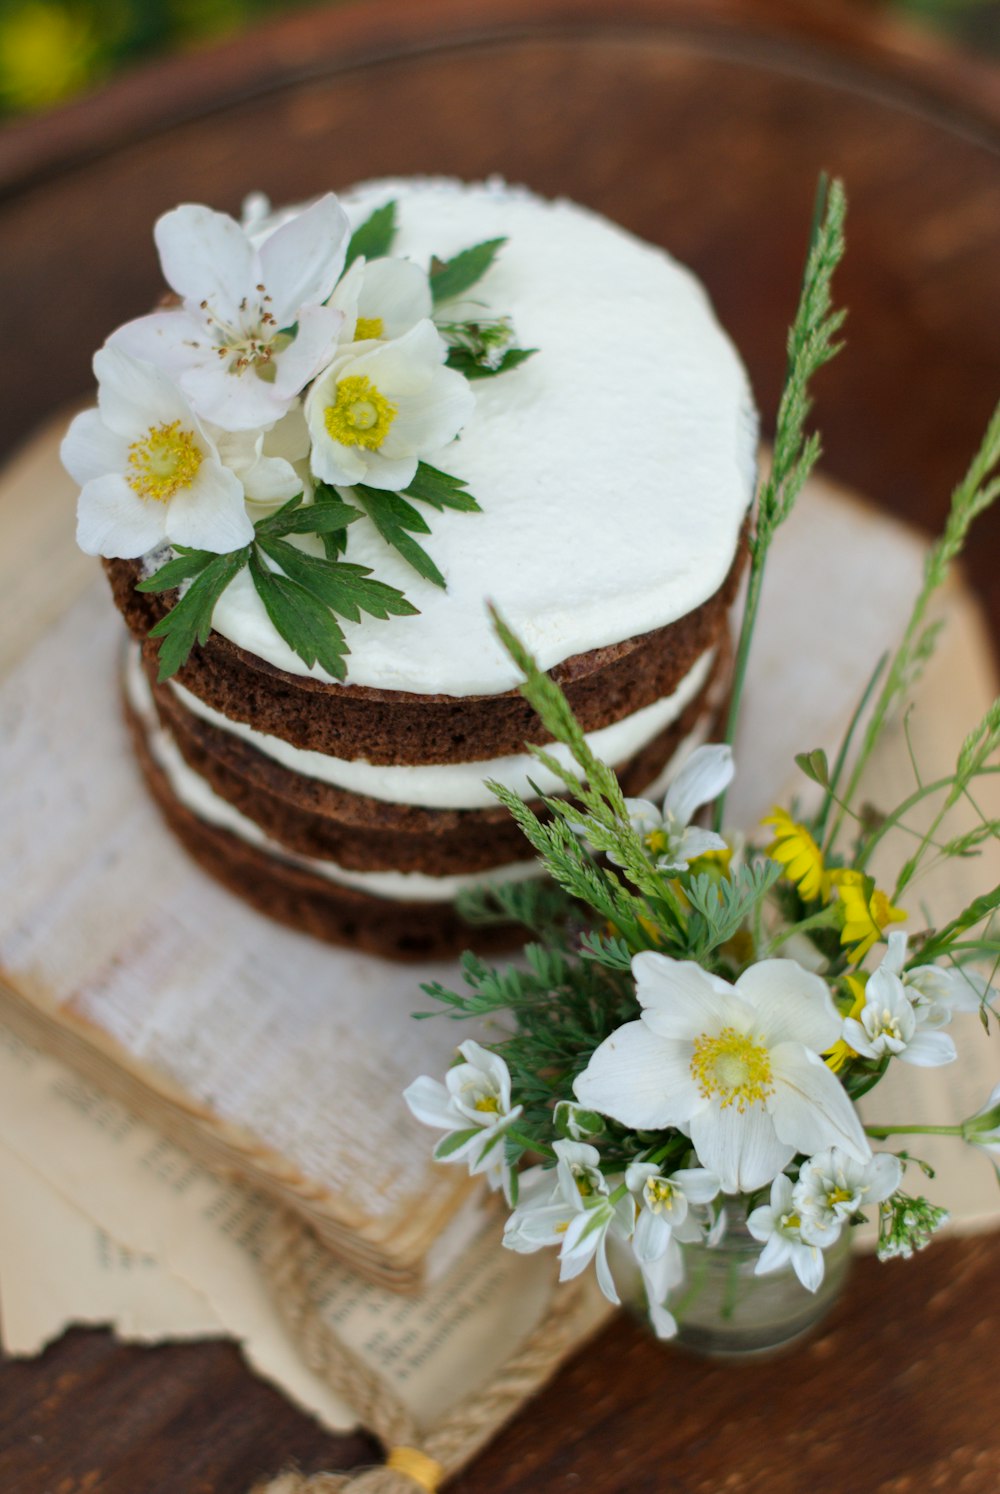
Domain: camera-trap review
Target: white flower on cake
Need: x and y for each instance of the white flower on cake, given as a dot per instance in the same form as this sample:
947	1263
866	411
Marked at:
382	299
738	1064
668	835
778	1226
149	471
832	1187
664	1206
252	329
473	1106
577	1214
887	1026
264	461
380	408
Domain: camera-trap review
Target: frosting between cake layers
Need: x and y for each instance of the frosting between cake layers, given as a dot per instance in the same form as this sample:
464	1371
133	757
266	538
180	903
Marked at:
460	785
614	468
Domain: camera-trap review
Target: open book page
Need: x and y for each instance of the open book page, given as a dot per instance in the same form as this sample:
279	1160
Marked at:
186	1244
58	1267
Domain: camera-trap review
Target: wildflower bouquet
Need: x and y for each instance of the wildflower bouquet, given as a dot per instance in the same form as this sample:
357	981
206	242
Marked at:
684	1043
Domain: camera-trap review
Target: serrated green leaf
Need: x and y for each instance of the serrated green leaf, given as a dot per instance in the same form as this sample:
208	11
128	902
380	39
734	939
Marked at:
170	575
395	519
344	587
189	621
449	278
375	236
473	368
441	490
323	516
306	625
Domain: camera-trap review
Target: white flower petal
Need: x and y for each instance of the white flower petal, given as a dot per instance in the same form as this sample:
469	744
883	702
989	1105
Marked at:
301	261
928	1049
742	1149
89	449
605	1280
703	777
776	1253
680	999
810	1109
651	1238
111	520
638	1079
432	417
693	842
790	1003
397	291
234	401
310	351
381	472
171	340
133	396
431	1103
698	1185
492	1066
206	256
211	513
809	1266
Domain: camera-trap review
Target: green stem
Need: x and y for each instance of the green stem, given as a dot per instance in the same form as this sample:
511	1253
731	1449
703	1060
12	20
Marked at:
864	855
880	1132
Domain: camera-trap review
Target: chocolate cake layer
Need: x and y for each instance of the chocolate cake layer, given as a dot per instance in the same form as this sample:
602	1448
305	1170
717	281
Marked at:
322	821
308	902
393	727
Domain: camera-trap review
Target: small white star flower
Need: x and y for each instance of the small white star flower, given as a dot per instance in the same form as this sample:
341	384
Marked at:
664	1206
577	1214
382	406
739	1064
887	1026
832	1187
473	1106
667	833
983	1128
937	992
149	471
252	329
778	1226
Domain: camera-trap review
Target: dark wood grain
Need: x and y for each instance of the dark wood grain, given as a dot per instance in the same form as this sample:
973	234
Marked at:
702	126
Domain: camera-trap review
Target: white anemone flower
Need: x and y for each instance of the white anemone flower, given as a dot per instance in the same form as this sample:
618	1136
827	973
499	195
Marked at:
265	461
149	470
887	1026
778	1226
667	833
382	299
737	1064
832	1187
577	1214
664	1206
252	329
382	406
936	992
473	1106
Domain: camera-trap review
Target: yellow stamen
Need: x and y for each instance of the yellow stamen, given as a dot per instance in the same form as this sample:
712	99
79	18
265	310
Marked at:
659	1195
163	462
837	1196
732	1066
362	415
488	1104
656	842
368	326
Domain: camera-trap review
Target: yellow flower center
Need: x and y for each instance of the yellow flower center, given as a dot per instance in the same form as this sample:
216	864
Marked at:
488	1104
656	842
659	1195
790	1221
837	1196
361	416
368	326
732	1066
163	462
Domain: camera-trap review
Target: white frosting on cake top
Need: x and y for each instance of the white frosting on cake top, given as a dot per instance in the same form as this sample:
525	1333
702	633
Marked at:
614	468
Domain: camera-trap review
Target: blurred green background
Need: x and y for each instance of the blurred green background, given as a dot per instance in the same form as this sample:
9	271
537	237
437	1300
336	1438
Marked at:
51	50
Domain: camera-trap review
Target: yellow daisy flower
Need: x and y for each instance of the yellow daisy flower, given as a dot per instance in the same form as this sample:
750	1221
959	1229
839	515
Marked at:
798	853
866	915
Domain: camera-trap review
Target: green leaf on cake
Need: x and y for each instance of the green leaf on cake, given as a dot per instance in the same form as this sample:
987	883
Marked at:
305	623
441	490
344	587
474	368
189	621
374	237
397	521
183	567
327	514
452	277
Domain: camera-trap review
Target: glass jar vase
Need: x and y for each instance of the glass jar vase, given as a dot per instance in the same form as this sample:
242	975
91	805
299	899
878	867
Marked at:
723	1309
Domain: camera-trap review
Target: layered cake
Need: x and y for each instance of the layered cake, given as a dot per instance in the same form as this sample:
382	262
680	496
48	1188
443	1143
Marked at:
612	470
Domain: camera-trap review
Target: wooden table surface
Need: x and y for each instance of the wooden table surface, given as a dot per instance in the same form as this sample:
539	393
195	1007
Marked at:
700	124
